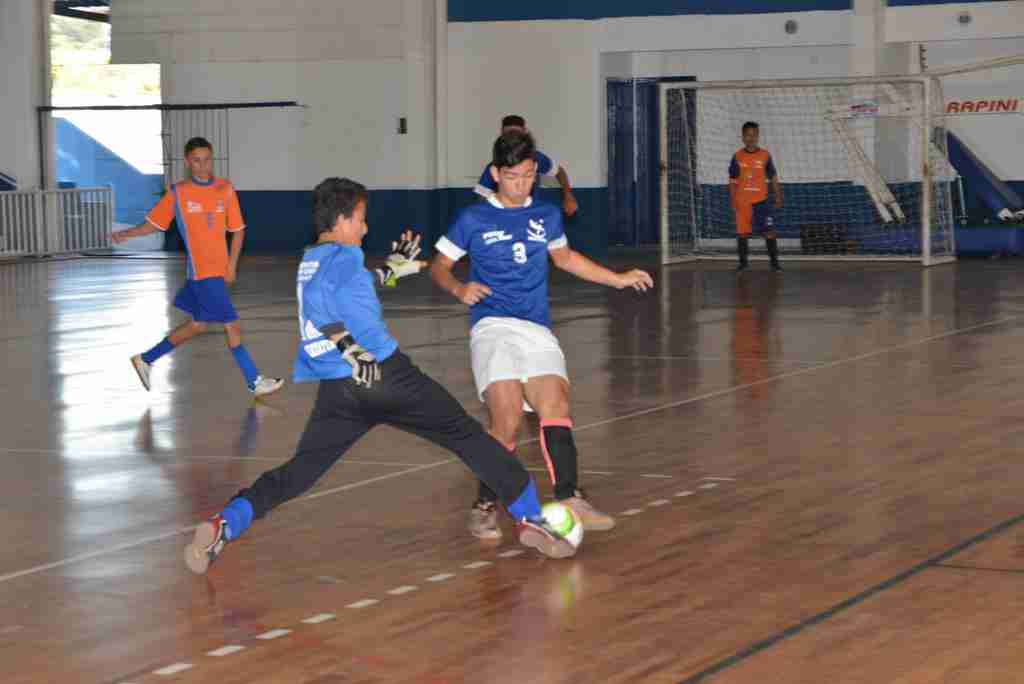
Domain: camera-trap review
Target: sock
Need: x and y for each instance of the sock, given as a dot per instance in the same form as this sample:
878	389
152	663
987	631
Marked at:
485	493
773	250
238	515
527	506
245	363
165	347
743	248
559	449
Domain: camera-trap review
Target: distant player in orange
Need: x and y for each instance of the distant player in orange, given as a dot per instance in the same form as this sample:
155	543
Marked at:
205	208
750	172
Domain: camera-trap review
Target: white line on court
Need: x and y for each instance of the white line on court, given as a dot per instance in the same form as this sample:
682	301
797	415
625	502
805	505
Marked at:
731	359
191	528
173	669
273	634
579	428
320	617
365	603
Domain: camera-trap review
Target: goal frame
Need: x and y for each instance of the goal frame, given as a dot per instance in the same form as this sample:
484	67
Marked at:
930	90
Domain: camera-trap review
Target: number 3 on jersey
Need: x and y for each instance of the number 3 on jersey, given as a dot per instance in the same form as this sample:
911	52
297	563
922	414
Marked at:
519	253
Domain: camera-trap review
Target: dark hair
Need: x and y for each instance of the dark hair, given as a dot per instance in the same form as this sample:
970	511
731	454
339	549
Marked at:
513	120
512	148
335	197
750	125
197	143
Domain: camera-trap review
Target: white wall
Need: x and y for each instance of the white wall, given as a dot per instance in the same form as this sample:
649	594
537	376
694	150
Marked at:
23	33
356	67
545	71
994	138
359	65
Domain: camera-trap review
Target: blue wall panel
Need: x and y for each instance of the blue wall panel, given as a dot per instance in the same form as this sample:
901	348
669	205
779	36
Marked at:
278	221
527	10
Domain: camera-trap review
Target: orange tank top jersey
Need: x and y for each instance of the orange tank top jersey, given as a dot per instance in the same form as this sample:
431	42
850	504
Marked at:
750	173
205	212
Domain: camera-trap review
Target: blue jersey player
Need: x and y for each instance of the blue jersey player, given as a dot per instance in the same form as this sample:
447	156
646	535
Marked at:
517	361
487	186
365	381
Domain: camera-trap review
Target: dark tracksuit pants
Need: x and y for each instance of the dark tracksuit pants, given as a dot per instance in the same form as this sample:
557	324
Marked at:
404	398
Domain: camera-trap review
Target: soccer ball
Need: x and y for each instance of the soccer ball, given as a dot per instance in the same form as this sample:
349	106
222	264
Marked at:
564	521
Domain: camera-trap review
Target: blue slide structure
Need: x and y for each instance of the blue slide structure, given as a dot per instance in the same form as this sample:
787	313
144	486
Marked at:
994	193
7	182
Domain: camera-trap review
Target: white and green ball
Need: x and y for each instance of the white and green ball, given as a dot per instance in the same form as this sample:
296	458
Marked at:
563	521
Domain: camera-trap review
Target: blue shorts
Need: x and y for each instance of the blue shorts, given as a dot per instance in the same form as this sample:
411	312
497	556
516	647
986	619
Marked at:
206	300
755	218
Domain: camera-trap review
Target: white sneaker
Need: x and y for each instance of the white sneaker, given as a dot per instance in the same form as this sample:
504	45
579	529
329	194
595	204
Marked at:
142	368
264	386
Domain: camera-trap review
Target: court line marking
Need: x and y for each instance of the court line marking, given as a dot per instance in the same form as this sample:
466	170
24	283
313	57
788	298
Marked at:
795	373
579	428
632	512
173	669
856	599
181	457
225	650
980	568
659	502
703	359
686	492
191	528
320	617
273	634
364	603
399	591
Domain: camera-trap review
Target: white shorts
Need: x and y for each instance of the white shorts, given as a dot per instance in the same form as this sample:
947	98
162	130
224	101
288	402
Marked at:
513	349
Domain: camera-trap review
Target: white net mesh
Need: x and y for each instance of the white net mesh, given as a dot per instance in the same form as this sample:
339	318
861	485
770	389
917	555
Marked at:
849	158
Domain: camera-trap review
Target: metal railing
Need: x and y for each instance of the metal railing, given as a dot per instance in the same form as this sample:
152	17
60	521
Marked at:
43	222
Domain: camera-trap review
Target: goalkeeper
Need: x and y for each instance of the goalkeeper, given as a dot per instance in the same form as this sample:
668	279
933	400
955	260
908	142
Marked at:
750	172
365	381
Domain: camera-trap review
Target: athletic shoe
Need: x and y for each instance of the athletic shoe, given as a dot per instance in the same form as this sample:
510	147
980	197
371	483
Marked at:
264	386
483	520
592	519
209	540
142	368
537	534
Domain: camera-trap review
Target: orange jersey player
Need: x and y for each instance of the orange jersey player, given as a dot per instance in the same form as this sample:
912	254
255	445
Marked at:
750	173
205	209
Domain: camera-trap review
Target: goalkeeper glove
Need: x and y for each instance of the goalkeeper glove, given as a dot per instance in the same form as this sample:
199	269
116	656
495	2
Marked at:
402	260
365	369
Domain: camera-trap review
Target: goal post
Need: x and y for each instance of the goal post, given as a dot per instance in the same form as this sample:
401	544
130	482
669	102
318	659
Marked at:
862	162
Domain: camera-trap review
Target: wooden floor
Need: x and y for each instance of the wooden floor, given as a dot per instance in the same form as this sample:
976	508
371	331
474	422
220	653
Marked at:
818	478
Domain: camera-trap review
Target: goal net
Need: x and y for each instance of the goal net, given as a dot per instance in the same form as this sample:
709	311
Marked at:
862	163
